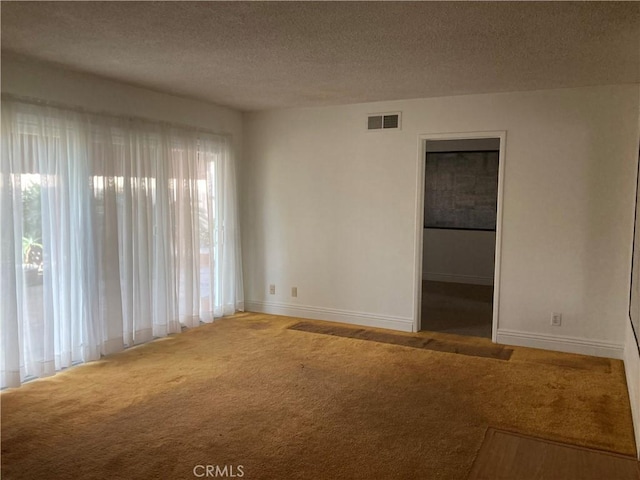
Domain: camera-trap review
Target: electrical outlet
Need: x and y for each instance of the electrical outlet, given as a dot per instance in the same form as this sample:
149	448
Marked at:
556	319
272	289
294	291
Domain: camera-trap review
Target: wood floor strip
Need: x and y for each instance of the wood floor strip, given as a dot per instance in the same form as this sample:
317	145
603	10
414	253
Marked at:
506	455
497	352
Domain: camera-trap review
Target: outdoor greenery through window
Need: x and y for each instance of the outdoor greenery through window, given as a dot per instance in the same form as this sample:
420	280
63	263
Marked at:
32	228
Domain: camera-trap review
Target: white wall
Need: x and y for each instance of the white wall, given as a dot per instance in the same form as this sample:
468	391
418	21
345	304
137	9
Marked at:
463	256
632	358
26	78
331	208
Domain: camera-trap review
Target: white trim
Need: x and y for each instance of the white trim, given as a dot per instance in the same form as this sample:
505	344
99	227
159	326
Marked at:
419	213
419	240
632	374
447	277
331	314
558	343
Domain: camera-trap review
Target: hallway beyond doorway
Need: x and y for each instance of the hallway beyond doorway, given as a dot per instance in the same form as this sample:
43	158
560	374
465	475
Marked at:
457	308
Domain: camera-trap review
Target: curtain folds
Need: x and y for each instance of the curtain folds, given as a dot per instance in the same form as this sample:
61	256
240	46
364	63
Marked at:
113	232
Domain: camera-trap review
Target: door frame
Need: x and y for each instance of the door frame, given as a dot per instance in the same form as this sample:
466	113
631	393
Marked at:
418	253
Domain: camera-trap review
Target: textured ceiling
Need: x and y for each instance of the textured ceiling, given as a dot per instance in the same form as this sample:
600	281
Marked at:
258	55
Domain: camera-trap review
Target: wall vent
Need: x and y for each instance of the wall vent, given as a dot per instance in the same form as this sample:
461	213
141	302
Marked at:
383	121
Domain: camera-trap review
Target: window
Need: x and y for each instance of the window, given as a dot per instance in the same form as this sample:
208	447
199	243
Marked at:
461	190
115	231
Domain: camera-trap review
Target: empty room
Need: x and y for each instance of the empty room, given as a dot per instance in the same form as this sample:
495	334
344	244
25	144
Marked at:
320	240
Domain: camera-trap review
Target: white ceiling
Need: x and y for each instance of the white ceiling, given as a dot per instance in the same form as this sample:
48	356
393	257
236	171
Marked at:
259	55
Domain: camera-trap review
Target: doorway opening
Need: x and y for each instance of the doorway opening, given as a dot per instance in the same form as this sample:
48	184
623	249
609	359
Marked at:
460	238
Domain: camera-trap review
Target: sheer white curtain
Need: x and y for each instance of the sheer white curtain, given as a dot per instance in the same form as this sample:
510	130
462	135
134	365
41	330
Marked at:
112	232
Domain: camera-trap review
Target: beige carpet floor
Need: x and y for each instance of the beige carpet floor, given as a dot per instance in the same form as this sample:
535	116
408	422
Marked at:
283	404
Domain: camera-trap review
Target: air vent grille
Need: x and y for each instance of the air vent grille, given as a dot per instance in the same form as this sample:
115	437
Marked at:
375	122
390	121
383	121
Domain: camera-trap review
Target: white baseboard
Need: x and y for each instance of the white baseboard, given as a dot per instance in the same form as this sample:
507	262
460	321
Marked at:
318	313
560	343
446	277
